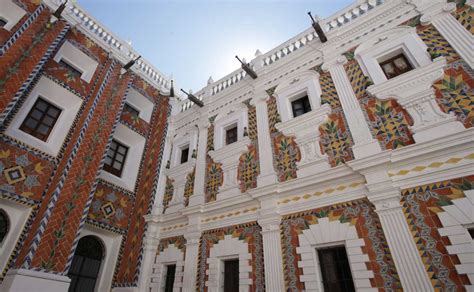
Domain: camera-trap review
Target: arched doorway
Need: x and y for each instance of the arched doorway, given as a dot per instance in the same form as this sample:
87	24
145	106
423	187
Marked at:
85	265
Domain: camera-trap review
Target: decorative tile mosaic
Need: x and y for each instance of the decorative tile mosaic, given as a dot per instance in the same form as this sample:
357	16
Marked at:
464	14
214	176
249	166
178	241
358	213
22	173
421	205
189	187
168	195
251	234
437	44
286	152
110	206
455	92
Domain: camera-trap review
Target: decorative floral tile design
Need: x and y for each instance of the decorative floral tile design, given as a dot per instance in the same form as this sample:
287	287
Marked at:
251	234
178	241
214	175
22	173
135	123
249	165
286	152
421	205
110	206
169	190
189	187
359	213
437	44
455	92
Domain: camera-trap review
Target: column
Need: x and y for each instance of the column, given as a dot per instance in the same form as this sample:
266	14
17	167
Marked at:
160	190
267	174
406	256
456	34
191	261
198	196
150	246
272	252
364	144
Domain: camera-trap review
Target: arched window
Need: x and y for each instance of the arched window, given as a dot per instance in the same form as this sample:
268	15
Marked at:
4	226
85	265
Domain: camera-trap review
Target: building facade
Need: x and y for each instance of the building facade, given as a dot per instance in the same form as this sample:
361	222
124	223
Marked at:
345	165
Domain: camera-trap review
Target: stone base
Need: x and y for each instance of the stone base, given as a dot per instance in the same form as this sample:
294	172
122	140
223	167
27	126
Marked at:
27	280
310	168
226	193
447	128
174	207
366	150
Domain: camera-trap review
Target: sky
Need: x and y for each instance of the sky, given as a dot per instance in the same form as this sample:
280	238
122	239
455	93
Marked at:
191	40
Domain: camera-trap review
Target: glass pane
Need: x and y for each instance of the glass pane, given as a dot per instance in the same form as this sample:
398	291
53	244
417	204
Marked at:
48	121
108	160
76	264
401	63
43	129
36	114
119	157
53	112
113	145
117	165
90	268
41	105
122	150
30	123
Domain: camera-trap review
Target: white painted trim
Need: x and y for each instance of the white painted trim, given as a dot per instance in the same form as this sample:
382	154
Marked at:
64	99
111	243
171	255
79	60
141	103
188	138
136	144
11	12
238	115
327	233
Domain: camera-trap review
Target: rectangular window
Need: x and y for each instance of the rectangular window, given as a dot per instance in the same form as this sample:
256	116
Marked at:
184	154
3	22
231	275
169	279
76	72
300	106
471	232
231	135
131	110
115	159
396	66
335	269
41	119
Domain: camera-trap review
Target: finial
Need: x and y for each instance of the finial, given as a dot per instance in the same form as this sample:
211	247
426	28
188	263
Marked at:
210	80
258	53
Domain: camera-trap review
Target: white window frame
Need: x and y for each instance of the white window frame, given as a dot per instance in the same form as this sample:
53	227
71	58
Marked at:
389	43
111	244
17	216
141	103
60	97
77	59
136	144
295	87
11	13
239	116
188	138
221	269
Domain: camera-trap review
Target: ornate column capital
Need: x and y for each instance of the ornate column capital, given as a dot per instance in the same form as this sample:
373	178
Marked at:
430	14
333	60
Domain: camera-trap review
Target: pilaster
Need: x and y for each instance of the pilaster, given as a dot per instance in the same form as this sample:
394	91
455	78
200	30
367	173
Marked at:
150	246
199	180
364	144
192	236
457	35
386	199
267	174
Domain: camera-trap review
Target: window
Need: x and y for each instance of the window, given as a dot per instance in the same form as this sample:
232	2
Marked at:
85	265
131	110
231	135
3	22
231	275
396	66
300	106
184	154
115	158
41	119
71	68
3	225
335	269
169	279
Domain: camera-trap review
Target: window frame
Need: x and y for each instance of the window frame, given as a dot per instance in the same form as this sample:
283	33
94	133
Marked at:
182	158
72	68
224	262
110	167
306	104
40	121
320	265
166	275
3	236
132	110
5	22
391	60
232	128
